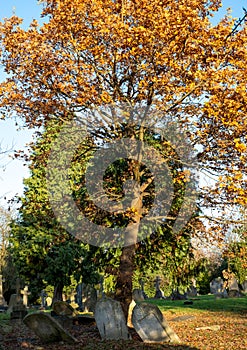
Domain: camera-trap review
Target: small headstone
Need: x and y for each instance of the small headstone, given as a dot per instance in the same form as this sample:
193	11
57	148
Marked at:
192	290
47	329
16	307
61	308
233	287
159	294
141	282
86	297
12	302
244	286
110	319
137	295
217	288
151	326
48	301
43	296
176	295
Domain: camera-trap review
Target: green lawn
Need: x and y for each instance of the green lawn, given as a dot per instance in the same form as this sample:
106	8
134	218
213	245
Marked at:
204	302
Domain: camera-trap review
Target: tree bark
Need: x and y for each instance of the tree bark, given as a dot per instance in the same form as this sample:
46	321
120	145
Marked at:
58	293
123	292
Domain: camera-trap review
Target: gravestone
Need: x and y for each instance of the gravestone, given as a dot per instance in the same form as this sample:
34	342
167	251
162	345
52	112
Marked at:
159	294
244	286
141	282
192	290
61	308
47	329
110	320
137	295
217	288
233	287
176	295
43	296
16	308
12	302
25	294
86	297
151	326
48	301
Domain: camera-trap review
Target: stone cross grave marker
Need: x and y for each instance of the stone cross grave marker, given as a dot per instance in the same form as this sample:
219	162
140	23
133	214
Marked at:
25	293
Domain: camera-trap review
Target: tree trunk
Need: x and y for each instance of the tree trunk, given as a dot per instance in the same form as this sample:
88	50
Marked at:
124	280
126	268
58	293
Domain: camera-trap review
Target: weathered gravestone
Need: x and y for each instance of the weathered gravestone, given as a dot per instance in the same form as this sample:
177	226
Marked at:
16	307
137	295
244	286
233	287
110	319
86	297
47	329
141	282
151	326
159	294
43	296
217	288
61	308
192	290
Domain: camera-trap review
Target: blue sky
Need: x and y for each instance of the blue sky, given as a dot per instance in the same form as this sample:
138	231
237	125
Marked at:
13	171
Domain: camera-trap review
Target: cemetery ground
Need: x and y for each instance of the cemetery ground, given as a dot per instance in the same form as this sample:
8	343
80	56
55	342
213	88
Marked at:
208	323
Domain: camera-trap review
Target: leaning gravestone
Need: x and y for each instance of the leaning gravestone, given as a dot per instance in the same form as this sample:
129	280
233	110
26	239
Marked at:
151	326
47	329
110	319
61	308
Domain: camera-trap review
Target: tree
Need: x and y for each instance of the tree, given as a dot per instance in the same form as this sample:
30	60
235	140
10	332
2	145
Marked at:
160	55
42	251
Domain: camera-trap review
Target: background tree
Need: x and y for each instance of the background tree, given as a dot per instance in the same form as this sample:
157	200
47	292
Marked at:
163	55
42	251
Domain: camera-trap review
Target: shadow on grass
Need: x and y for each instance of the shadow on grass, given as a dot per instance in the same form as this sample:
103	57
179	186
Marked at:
207	303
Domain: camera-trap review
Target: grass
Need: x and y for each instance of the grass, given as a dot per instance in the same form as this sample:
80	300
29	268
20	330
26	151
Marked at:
204	302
